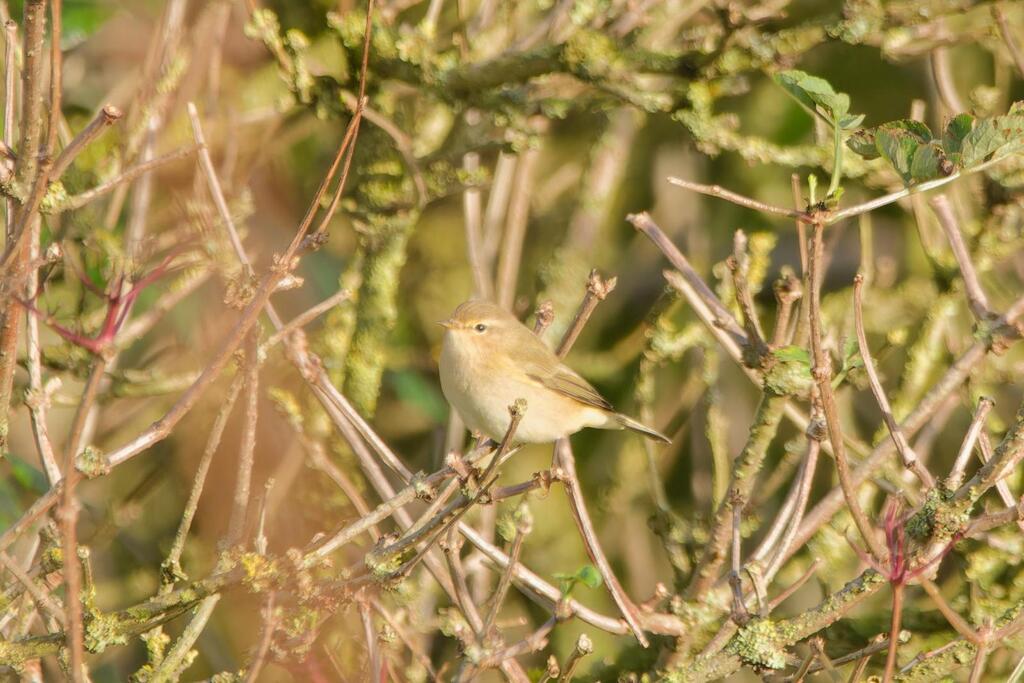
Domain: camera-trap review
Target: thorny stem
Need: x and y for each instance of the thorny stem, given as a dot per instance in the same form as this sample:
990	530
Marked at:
910	459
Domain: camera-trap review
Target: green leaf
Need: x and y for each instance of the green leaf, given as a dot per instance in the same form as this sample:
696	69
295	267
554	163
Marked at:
589	576
793	353
919	130
956	130
813	92
851	121
863	143
981	142
897	146
928	163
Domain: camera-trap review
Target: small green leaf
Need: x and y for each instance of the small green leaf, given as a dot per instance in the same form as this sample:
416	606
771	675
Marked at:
851	121
589	576
897	146
813	92
919	130
956	130
981	142
863	143
793	353
927	163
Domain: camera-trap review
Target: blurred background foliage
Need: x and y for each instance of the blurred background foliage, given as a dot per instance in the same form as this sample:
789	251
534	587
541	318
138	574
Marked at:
608	98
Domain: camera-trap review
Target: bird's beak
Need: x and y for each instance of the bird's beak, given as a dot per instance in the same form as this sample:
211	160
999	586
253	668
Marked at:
446	324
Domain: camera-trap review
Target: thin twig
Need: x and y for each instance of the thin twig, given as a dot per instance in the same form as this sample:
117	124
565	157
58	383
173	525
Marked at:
236	525
976	298
584	647
266	636
108	116
942	74
79	200
894	631
172	565
597	290
1004	31
735	198
69	519
41	597
907	454
515	229
822	373
565	459
956	473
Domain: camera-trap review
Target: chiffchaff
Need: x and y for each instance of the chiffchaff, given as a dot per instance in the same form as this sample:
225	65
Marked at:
489	359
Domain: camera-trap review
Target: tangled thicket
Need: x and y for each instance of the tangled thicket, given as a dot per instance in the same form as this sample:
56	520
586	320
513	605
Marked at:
229	229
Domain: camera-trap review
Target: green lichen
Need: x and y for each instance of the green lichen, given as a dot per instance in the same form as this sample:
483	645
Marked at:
103	630
757	644
92	462
261	572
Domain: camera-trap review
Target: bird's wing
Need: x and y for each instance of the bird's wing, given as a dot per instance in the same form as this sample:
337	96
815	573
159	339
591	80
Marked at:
566	382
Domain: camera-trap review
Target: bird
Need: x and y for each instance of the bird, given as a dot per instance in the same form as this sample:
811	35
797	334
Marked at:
489	359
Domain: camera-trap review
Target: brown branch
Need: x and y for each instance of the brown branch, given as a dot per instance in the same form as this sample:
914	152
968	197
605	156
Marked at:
1004	31
910	459
977	301
108	116
515	229
942	74
266	635
787	292
247	448
69	519
523	528
597	290
565	459
822	373
79	200
728	195
543	317
42	598
974	431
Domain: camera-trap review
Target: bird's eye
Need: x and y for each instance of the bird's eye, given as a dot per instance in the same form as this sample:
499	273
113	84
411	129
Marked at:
480	327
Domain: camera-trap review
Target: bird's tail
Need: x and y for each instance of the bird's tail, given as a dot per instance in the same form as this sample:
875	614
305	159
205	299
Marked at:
630	423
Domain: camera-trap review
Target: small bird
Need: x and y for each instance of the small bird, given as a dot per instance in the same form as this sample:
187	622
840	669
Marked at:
489	359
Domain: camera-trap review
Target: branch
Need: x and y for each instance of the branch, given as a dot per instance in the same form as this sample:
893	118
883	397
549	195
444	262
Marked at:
910	459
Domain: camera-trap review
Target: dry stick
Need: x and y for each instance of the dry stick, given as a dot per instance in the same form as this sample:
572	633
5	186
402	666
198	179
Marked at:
10	98
175	657
69	519
543	317
822	373
910	459
172	565
504	582
739	266
597	290
740	615
978	668
236	526
308	316
976	299
472	215
787	292
266	635
38	397
108	116
79	200
1007	36
497	204
1002	488
942	74
215	189
413	646
720	319
722	193
515	229
42	598
583	648
780	537
956	473
954	619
